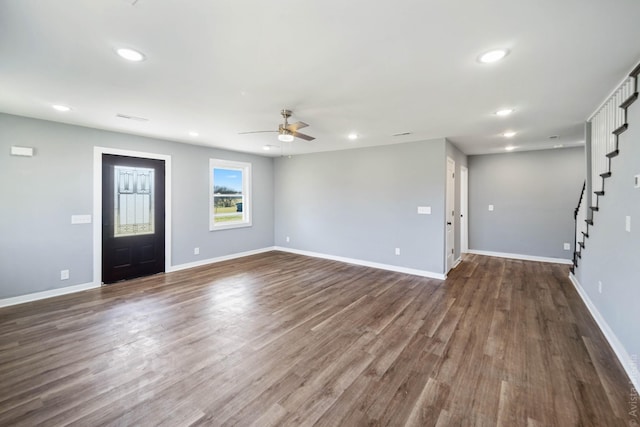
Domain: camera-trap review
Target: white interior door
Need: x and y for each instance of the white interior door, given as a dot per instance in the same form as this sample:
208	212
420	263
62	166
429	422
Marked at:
450	214
464	209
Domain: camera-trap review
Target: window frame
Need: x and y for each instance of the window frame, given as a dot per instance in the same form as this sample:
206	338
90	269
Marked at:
245	168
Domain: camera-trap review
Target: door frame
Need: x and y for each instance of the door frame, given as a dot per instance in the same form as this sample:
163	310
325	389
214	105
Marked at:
448	267
97	204
464	209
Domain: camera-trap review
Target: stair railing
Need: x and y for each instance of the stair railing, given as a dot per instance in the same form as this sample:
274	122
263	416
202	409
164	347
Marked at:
579	216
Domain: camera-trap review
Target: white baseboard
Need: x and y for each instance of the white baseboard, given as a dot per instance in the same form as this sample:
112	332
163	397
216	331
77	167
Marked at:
388	267
520	256
83	287
622	354
457	262
47	294
218	259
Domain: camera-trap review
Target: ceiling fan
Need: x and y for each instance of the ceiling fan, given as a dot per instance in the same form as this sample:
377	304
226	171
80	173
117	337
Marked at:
286	131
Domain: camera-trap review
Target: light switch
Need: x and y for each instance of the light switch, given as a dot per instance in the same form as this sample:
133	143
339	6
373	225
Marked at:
424	210
80	219
627	223
491	207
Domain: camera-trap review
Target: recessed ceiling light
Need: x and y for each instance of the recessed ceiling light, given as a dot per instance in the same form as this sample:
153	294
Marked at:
266	147
130	54
558	146
509	134
509	148
59	107
194	134
493	56
352	136
504	112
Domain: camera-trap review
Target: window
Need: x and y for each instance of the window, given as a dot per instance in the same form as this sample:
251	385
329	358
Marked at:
133	203
230	194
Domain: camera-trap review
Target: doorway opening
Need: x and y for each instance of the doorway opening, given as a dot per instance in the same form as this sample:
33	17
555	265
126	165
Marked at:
450	215
132	214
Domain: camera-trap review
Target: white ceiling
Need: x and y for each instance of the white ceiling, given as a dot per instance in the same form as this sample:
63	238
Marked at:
375	68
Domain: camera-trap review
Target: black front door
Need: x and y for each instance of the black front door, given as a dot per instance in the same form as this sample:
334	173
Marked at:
132	217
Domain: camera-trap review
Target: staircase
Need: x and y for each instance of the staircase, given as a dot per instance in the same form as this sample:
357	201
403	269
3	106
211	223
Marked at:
607	124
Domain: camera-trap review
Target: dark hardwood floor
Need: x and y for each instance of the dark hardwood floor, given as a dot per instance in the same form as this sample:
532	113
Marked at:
281	339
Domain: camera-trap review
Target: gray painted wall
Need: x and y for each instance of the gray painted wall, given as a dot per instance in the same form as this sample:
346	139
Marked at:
39	195
362	204
611	253
534	194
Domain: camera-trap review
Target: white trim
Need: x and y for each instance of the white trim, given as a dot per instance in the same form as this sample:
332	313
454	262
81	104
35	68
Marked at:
388	267
464	209
188	265
522	257
97	204
47	294
614	342
457	262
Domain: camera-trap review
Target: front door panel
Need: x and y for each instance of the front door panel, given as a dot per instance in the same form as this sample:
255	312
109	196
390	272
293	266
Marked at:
133	233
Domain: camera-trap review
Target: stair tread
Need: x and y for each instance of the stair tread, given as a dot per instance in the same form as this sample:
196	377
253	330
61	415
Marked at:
594	208
589	221
629	101
599	193
621	129
605	175
635	71
613	153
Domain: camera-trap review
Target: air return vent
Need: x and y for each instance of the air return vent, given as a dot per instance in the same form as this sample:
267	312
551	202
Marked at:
137	119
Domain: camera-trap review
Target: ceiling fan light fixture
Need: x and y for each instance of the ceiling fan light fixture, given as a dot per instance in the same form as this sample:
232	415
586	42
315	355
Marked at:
285	137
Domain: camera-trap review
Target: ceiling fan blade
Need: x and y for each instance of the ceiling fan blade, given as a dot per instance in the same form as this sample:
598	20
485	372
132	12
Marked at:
303	136
256	131
295	126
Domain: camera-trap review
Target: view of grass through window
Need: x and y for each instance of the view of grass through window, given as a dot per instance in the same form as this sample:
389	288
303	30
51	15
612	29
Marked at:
227	195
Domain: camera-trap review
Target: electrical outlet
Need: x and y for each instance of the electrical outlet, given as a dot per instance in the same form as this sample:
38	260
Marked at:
567	246
196	251
627	223
288	239
599	287
491	207
64	274
397	251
